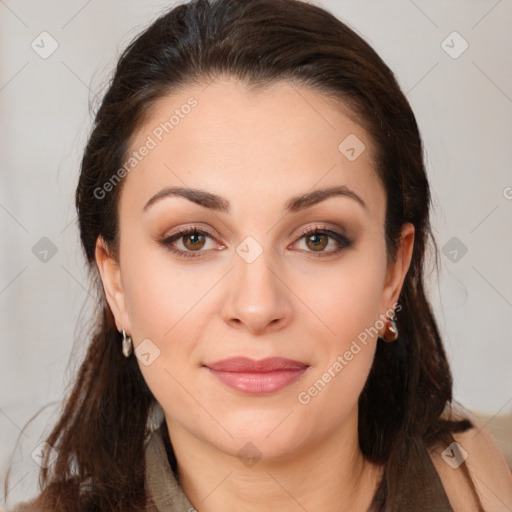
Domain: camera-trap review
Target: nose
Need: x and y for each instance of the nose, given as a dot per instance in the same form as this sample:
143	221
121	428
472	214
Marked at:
257	298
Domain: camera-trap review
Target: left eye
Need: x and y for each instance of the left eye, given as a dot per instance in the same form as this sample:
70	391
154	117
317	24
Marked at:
316	240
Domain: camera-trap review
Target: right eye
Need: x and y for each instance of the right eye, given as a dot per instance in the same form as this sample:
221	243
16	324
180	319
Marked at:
192	240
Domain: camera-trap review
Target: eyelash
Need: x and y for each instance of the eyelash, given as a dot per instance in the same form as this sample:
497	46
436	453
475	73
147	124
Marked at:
342	241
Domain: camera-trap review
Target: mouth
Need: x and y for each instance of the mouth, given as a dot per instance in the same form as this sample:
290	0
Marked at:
257	377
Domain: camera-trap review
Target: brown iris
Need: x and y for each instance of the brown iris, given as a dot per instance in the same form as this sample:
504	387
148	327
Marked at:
194	241
318	241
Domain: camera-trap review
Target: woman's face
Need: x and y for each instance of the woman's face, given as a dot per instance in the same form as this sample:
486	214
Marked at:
249	283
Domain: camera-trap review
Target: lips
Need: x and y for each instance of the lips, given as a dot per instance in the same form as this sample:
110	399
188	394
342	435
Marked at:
257	376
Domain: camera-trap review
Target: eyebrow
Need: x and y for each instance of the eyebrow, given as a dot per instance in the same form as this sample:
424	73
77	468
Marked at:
219	204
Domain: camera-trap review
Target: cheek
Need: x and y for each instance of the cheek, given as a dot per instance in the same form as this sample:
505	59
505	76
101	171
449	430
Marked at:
170	304
346	354
167	304
162	295
345	296
347	299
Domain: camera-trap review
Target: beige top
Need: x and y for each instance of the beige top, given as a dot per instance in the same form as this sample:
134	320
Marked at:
166	495
161	483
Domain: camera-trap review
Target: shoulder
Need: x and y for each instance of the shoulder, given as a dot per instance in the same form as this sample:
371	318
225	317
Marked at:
477	451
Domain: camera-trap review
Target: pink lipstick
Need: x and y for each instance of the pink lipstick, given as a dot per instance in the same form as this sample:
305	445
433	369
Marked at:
257	377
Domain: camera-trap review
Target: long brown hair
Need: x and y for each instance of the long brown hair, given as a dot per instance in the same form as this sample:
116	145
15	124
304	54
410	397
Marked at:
101	432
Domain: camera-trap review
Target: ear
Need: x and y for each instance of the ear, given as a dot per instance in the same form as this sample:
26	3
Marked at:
110	273
398	268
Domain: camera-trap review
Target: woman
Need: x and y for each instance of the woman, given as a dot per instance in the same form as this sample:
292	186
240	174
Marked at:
254	209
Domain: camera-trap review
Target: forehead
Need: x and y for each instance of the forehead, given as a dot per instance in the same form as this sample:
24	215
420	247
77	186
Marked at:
273	143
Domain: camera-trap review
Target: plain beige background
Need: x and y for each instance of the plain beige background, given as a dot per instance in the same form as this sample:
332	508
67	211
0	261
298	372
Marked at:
462	98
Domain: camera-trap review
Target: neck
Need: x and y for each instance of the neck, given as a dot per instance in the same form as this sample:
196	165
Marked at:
331	475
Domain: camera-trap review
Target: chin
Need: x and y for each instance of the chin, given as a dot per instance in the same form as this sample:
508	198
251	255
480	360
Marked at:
271	434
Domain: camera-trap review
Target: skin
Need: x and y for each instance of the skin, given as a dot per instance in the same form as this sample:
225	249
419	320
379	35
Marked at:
256	150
